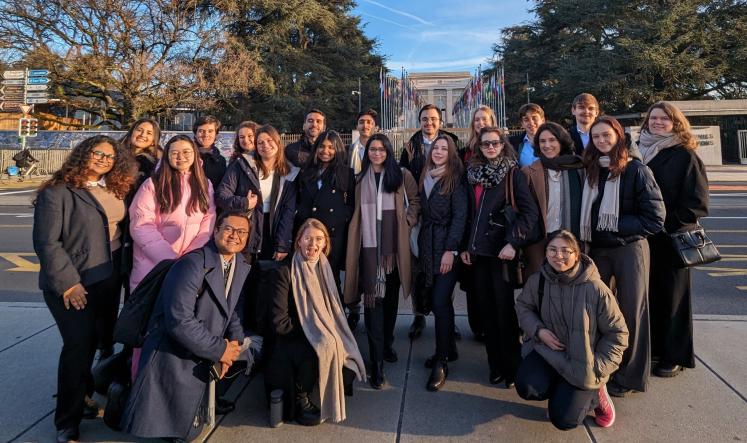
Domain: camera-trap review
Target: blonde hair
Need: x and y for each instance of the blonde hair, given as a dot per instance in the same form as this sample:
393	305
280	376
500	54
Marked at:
316	224
474	137
681	126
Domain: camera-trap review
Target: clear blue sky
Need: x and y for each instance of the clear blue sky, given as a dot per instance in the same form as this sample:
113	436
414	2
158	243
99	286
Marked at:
439	35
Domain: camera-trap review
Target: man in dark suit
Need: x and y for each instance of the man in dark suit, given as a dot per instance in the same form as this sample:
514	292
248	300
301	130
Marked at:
195	327
213	163
531	116
298	152
585	110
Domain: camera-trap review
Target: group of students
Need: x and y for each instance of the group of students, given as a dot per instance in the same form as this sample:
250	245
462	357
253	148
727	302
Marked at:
308	231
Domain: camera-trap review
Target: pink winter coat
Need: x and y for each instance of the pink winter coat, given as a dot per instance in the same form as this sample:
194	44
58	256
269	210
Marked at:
158	236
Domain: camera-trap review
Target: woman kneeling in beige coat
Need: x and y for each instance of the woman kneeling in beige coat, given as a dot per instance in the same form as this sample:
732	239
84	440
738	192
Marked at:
574	336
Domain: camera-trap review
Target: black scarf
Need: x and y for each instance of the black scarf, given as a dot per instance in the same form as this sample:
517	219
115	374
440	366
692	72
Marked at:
491	173
562	162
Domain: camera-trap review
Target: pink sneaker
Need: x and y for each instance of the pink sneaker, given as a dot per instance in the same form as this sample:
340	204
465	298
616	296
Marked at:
605	412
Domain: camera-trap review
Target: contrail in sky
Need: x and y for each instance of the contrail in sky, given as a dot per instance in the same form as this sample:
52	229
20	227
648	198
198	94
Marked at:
397	11
411	28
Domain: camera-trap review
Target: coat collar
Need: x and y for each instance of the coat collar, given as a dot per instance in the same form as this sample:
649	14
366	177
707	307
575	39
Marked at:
87	197
214	278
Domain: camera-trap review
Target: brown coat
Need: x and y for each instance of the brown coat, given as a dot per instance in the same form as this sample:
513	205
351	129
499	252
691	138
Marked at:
406	218
582	312
535	253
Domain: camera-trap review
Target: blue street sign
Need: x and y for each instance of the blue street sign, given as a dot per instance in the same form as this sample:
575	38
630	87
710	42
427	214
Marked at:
38	72
37	80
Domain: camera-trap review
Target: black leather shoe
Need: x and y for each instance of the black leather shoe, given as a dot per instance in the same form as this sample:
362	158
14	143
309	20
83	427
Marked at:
390	355
457	333
377	379
307	413
667	370
438	376
353	319
495	377
68	435
90	412
430	361
223	406
480	336
617	390
416	329
508	384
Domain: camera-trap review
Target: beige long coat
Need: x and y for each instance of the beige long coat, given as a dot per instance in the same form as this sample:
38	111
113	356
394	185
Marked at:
406	219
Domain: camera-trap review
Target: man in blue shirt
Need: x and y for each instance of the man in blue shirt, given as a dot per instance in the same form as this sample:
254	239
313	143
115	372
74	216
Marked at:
532	116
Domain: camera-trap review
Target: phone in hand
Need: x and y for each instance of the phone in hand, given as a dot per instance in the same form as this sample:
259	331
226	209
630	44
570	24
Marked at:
215	370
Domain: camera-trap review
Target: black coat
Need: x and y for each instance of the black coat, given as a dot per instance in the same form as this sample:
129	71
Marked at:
415	145
578	144
214	165
71	239
231	194
284	313
683	183
332	204
641	212
442	225
146	166
517	141
488	233
297	153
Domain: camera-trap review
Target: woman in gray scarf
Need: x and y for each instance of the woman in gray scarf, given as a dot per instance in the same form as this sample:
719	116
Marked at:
668	148
314	344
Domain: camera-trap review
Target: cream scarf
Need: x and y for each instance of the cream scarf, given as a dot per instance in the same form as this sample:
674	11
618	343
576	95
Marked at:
609	208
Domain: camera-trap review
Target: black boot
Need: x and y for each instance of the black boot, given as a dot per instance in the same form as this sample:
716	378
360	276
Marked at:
418	324
438	376
353	319
307	414
347	381
377	375
431	361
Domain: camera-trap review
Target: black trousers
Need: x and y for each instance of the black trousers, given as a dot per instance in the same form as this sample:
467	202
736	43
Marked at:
670	306
567	405
293	367
443	310
466	282
380	319
496	302
80	331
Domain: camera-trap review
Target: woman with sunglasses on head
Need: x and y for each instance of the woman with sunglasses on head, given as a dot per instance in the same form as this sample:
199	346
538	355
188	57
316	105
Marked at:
326	190
574	336
77	237
443	198
668	148
620	207
378	255
556	180
491	243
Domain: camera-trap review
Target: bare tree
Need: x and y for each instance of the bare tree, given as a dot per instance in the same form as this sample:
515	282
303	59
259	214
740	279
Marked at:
121	59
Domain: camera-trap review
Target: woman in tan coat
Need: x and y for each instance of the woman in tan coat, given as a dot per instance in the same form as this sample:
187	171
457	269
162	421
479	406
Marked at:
378	253
574	336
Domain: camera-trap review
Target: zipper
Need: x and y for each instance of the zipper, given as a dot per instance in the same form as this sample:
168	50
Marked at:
477	223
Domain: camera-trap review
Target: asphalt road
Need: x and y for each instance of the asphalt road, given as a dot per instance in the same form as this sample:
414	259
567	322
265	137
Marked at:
719	288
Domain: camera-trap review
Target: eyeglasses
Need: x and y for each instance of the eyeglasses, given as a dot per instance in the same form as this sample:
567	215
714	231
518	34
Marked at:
185	154
100	155
230	230
377	150
488	143
565	252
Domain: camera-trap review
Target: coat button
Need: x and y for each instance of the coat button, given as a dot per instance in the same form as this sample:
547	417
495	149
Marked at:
333	191
331	210
313	209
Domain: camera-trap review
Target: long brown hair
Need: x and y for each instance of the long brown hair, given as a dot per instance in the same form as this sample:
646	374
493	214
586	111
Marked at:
237	150
152	149
681	126
619	154
168	182
281	167
74	171
453	174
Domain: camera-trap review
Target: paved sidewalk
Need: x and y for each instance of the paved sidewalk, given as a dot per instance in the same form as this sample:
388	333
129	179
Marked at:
706	404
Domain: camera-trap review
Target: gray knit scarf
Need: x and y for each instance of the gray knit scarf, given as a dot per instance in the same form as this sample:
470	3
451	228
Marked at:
431	178
609	208
378	237
650	144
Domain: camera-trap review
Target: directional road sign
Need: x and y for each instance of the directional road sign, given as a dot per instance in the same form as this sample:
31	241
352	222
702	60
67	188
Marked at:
14	74
13	82
38	72
36	87
32	101
37	80
4	106
36	94
11	88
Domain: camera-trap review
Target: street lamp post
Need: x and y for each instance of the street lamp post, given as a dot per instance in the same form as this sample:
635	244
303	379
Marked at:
358	93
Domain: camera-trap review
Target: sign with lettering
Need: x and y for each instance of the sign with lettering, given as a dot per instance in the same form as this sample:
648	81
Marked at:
708	137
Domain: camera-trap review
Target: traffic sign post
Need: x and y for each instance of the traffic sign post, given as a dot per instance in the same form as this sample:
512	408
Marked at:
21	89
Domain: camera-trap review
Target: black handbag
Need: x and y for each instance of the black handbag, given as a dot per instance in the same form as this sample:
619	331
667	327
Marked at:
514	271
694	248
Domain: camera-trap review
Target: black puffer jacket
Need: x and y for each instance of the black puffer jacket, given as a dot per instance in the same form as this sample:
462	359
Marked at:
231	194
488	233
641	207
214	165
413	157
442	224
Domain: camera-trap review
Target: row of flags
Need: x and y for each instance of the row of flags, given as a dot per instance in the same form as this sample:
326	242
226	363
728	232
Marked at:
400	101
481	90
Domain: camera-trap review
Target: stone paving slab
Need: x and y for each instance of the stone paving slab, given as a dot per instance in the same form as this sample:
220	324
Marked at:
720	344
19	323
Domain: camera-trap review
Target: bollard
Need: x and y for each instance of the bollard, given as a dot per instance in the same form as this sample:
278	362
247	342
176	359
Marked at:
276	408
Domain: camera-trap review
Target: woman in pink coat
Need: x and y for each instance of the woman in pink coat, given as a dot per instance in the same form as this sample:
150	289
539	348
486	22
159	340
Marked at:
173	211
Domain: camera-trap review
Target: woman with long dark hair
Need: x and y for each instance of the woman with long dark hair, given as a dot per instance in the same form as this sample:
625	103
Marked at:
77	237
556	180
620	207
443	198
492	243
668	148
244	139
325	192
143	140
378	254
